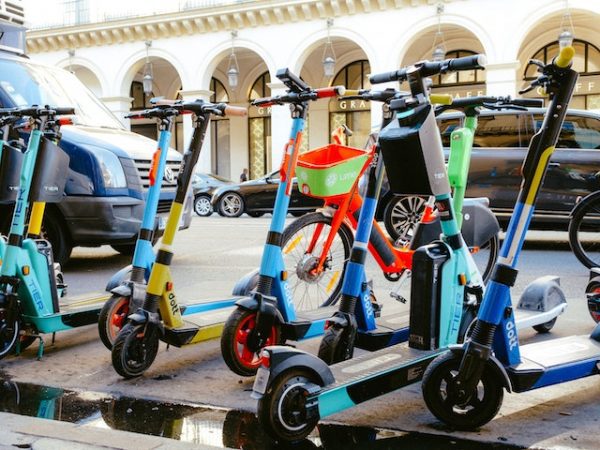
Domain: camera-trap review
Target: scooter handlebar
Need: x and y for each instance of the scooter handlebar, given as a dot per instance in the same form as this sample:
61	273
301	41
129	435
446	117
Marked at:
235	111
332	91
527	102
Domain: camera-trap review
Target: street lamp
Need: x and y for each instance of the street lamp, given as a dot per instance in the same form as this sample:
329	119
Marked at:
565	38
147	78
233	71
439	49
328	54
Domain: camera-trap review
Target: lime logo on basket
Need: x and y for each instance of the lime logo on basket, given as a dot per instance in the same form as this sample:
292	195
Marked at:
305	189
331	179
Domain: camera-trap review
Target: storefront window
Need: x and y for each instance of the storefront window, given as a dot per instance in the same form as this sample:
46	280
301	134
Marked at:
586	62
259	129
220	149
355	114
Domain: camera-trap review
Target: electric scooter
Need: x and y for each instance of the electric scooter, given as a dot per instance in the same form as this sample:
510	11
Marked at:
294	388
160	316
267	316
31	292
129	285
464	387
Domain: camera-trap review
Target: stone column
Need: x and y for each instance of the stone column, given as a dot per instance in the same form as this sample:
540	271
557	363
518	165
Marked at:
501	79
280	126
119	106
204	162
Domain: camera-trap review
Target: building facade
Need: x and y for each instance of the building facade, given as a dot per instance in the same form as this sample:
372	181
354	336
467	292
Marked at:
189	45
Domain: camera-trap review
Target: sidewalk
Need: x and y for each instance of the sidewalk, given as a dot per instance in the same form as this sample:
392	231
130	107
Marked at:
42	434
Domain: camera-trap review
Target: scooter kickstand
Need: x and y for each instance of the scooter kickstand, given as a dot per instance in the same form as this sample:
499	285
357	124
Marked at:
40	351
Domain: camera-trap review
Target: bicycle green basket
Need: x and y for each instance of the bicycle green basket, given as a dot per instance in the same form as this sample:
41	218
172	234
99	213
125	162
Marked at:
331	170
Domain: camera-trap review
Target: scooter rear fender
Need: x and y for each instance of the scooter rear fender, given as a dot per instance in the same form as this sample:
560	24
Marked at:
252	304
118	278
246	284
283	358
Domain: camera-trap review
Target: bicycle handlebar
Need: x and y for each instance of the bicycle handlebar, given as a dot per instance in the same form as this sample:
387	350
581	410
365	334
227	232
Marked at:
430	68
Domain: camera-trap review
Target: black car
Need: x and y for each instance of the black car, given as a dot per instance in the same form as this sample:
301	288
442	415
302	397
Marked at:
256	197
203	185
499	148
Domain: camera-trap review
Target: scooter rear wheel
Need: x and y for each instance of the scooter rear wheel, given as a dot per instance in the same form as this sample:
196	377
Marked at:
8	333
441	400
113	316
282	410
135	349
335	347
234	342
593	287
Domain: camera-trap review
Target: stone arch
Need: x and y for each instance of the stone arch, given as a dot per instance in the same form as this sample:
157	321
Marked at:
88	73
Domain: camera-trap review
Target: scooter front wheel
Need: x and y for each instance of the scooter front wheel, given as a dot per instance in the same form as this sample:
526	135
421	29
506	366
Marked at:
593	302
282	409
135	349
234	342
113	316
335	346
441	397
9	333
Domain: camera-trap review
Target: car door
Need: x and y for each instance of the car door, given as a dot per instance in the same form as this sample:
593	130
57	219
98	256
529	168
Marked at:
574	169
496	159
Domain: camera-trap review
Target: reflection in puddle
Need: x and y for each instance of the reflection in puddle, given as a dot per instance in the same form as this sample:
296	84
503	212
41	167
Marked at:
200	425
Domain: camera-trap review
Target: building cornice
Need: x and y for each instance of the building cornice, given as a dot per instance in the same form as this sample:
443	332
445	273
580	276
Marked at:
205	20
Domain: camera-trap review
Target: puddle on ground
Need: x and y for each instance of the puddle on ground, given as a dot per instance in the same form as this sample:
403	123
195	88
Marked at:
201	425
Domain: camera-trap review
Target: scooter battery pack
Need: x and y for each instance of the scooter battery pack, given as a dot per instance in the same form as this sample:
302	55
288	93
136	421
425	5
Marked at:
426	290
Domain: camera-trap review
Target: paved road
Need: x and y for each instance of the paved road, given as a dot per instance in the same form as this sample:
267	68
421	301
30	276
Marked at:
215	252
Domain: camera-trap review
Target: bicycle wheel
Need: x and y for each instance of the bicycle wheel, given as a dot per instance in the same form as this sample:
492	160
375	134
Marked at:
583	231
485	257
311	289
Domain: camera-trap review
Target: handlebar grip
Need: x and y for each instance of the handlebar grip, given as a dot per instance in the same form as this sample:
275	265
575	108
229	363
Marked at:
564	58
467	62
385	77
441	99
235	111
64	111
353	92
332	91
527	102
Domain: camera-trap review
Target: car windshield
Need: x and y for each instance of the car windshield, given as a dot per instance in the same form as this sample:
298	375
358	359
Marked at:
218	177
31	84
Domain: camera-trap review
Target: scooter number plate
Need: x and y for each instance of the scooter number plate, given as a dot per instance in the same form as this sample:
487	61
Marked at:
261	381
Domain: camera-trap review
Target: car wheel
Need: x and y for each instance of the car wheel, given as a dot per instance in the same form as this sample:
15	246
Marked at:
202	206
401	215
231	205
54	230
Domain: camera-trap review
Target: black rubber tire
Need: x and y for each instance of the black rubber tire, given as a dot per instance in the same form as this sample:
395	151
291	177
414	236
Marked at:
269	405
593	287
440	371
106	318
128	359
493	245
255	213
230	343
201	208
8	334
545	327
412	206
344	233
586	208
54	229
224	209
334	347
25	342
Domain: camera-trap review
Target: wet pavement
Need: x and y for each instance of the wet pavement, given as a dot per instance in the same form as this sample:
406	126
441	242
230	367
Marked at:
202	425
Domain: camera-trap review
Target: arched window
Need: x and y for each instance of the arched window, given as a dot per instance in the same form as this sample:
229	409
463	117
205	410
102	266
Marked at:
219	136
459	78
586	62
356	114
259	129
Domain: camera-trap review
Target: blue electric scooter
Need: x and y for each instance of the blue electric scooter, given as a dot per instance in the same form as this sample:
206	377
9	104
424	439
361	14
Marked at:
464	386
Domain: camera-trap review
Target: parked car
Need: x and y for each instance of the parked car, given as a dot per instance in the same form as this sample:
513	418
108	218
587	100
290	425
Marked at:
109	165
203	185
499	148
256	197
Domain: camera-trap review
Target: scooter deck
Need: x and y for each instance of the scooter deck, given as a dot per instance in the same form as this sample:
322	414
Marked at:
373	374
198	327
525	318
555	361
313	315
391	330
71	304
